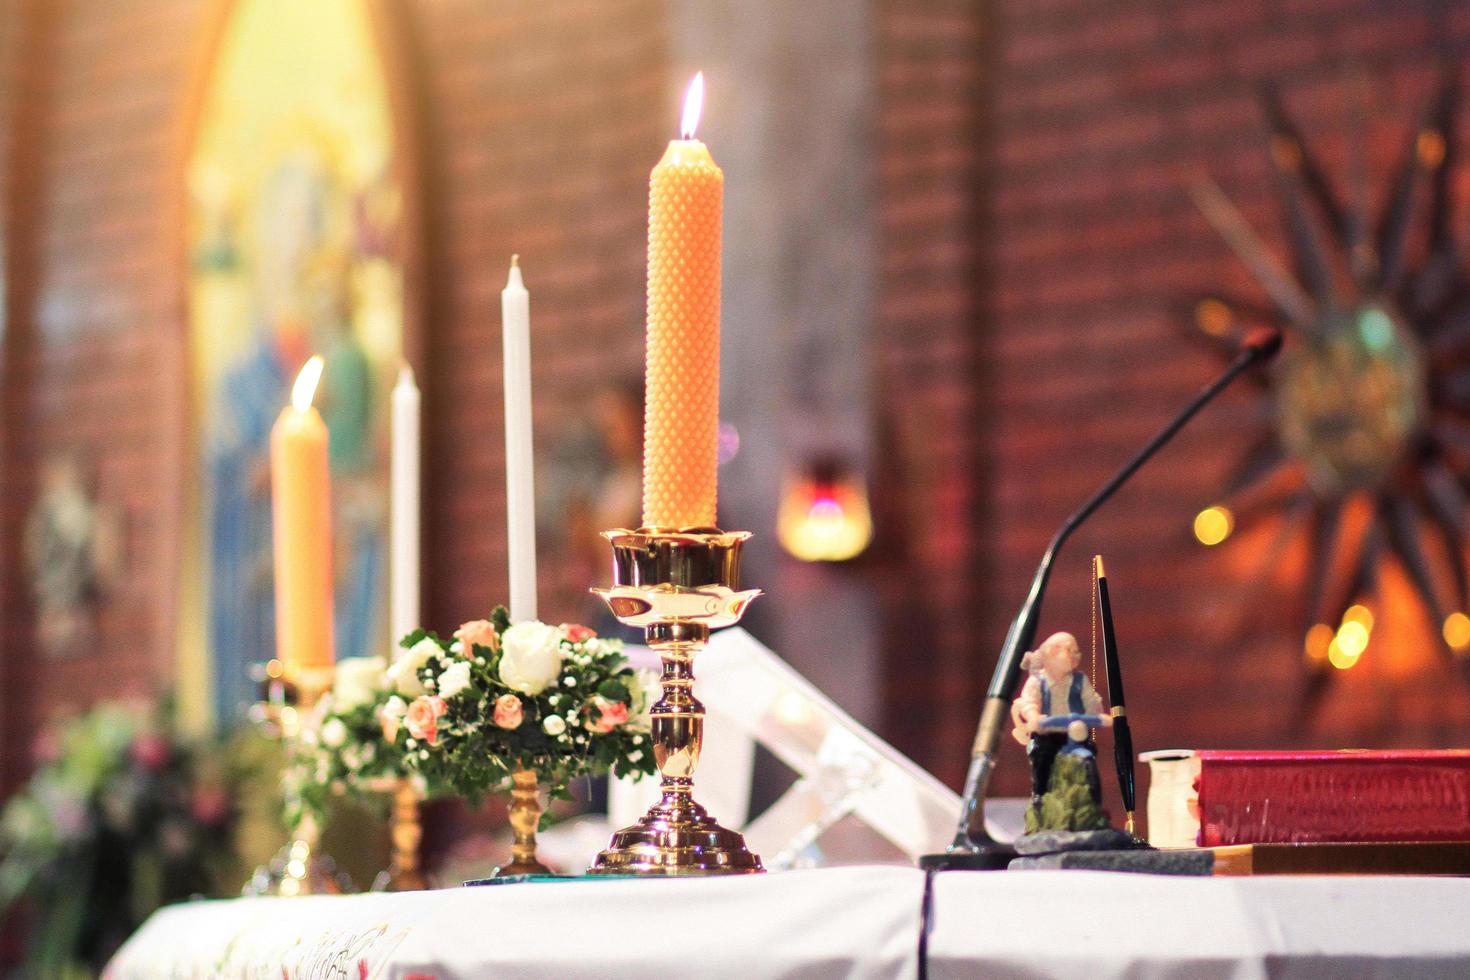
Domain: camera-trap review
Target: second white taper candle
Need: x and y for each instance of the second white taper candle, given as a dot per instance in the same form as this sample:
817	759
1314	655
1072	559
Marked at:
520	486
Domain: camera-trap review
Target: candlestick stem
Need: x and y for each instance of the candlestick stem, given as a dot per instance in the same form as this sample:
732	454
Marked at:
525	817
407	833
678	716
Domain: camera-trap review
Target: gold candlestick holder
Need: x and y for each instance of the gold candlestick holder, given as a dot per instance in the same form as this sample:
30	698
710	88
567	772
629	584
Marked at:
677	585
405	833
525	816
300	867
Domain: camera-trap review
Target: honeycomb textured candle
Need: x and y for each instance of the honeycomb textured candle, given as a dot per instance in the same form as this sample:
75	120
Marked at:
682	417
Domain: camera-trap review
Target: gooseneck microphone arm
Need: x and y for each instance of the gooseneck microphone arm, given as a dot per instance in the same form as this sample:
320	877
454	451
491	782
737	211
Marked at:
1261	345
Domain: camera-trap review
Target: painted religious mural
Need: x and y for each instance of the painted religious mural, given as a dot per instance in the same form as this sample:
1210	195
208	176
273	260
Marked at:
293	249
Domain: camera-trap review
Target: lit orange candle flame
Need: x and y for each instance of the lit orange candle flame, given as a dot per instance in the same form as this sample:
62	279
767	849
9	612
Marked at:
693	106
304	390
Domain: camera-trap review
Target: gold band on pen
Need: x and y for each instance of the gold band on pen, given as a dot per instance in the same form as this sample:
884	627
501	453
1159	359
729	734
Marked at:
1117	711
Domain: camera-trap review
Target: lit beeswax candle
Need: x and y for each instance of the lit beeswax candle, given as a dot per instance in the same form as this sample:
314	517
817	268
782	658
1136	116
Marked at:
681	420
301	499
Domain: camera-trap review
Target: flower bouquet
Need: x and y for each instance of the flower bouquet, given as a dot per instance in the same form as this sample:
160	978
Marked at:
121	817
341	750
522	705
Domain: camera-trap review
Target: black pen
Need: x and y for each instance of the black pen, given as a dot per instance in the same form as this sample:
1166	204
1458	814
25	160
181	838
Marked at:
1122	737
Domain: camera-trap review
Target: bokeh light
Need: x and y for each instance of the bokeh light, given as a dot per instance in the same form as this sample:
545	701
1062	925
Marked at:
1319	637
1457	631
1213	525
1340	658
1359	614
1353	639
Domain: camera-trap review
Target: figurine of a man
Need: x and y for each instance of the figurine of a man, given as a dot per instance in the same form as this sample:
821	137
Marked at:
1056	687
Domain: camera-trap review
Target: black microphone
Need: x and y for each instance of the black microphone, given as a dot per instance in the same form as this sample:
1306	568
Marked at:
973	847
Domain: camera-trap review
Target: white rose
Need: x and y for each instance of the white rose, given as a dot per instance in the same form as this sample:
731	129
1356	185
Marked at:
647	687
404	674
553	725
334	733
357	682
455	679
530	656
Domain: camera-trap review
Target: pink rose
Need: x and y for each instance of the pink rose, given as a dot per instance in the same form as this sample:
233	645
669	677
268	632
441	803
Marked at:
477	633
46	748
422	720
210	805
610	714
577	633
151	751
508	711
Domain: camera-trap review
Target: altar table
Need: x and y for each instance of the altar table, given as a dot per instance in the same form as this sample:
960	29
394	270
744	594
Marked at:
840	922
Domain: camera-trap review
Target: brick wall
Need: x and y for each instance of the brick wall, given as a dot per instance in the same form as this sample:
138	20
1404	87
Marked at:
931	391
536	127
1101	113
13	22
542	122
92	316
1033	241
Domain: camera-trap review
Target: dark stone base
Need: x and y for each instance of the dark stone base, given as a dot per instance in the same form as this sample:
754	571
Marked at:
997	857
1051	841
1138	861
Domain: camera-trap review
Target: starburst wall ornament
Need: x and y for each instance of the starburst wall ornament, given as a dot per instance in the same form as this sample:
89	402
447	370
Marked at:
1371	398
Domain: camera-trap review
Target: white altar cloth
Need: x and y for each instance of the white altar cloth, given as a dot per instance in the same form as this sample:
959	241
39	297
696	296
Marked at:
838	922
856	922
1082	925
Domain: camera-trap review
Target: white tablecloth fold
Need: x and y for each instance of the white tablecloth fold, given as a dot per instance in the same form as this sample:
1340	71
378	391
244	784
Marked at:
860	922
838	923
1087	925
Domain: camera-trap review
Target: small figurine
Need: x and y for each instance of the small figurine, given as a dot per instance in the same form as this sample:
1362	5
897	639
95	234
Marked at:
1054	715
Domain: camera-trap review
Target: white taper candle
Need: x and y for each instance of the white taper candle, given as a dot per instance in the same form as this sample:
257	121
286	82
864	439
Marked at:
404	611
520	487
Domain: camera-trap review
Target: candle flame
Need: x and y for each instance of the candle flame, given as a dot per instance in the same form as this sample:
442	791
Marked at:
305	388
693	105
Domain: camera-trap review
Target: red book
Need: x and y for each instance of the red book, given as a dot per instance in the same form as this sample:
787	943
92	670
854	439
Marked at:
1333	796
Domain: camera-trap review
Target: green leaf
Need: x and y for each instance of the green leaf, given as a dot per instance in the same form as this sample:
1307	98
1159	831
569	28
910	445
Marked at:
500	619
614	690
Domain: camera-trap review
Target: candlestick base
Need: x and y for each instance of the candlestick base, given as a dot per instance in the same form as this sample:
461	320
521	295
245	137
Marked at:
677	584
676	837
299	868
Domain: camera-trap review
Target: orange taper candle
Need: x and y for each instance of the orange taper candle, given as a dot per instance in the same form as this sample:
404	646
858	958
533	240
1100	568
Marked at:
301	499
682	417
